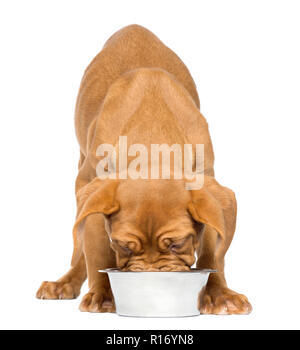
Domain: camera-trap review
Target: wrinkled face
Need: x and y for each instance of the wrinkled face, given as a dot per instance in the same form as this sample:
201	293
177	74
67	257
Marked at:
153	230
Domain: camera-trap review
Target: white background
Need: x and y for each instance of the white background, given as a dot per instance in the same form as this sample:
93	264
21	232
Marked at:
244	57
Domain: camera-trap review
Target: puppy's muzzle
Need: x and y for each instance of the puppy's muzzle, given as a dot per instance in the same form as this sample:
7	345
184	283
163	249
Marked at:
153	268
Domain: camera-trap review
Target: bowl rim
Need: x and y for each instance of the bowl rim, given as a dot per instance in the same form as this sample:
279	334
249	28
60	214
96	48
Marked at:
192	270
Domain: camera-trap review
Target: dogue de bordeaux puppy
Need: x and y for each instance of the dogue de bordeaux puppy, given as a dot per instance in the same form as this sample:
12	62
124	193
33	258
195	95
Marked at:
137	87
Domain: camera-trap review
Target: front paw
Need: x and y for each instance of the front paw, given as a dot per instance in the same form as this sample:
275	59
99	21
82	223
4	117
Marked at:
97	302
223	301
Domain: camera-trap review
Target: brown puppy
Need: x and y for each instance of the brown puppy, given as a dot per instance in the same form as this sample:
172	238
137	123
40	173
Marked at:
138	87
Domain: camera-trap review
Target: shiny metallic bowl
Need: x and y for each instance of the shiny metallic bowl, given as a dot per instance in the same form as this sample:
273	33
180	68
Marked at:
157	294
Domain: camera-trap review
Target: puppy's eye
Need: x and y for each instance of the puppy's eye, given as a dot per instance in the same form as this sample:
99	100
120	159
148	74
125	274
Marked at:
175	246
121	247
126	250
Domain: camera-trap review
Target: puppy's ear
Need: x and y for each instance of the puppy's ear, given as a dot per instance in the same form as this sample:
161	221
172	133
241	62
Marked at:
97	196
214	205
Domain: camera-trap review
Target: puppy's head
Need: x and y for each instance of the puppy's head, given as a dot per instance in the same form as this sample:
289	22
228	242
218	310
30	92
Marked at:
152	225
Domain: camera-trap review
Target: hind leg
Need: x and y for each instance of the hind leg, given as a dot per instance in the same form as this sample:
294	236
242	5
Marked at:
68	286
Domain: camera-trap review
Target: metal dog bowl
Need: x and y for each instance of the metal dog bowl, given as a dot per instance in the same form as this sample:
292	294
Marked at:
157	294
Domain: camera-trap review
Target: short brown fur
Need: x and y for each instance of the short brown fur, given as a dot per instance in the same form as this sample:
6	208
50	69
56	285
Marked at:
138	87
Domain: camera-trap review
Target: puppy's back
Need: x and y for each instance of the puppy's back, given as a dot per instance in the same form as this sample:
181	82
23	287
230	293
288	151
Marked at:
130	48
